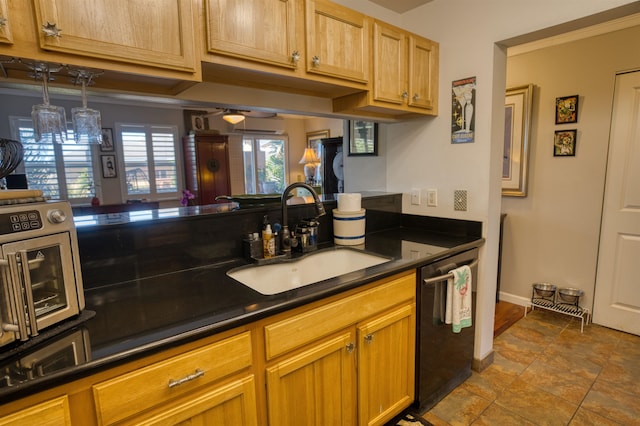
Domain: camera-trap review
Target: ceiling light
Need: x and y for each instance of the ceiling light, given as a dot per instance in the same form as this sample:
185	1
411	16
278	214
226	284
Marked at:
233	117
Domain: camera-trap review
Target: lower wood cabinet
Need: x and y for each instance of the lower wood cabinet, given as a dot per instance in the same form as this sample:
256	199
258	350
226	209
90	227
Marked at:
232	403
54	412
348	362
158	389
316	386
386	354
345	360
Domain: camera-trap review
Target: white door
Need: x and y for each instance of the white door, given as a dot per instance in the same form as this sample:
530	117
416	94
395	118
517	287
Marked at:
617	295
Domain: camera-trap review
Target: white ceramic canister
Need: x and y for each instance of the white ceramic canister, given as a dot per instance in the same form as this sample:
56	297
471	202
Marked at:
348	227
349	202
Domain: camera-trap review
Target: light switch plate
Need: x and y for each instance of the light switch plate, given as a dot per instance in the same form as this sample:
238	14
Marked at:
415	197
432	198
460	200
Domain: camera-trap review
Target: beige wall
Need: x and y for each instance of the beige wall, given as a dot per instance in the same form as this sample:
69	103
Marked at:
552	234
472	36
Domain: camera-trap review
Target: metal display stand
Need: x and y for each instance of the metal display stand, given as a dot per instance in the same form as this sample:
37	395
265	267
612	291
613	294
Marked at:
562	308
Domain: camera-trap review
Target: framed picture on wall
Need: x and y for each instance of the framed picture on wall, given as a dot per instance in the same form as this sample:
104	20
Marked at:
564	144
107	140
567	109
108	166
517	123
363	138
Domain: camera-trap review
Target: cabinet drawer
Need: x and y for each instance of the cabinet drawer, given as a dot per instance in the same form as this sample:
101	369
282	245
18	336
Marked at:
131	393
50	413
298	330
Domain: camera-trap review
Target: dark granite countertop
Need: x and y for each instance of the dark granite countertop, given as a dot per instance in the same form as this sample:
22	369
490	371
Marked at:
143	316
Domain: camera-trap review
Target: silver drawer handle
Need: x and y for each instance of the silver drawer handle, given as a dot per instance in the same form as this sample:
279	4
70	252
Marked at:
190	377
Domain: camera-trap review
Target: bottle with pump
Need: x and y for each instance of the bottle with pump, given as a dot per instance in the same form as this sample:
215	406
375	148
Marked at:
268	242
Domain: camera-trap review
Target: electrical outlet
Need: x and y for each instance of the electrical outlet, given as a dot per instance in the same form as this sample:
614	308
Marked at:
460	200
415	197
432	198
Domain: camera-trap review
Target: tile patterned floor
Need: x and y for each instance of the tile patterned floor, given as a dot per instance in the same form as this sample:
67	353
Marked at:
545	372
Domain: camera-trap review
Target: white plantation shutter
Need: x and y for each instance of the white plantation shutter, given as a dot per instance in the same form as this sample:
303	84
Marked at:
61	171
150	160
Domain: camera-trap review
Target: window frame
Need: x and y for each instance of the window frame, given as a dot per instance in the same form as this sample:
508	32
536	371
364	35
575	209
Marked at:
153	194
255	138
16	122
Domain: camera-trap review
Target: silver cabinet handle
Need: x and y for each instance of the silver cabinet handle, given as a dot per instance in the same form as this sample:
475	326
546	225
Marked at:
350	347
405	95
316	61
3	22
190	377
415	97
31	308
51	30
295	56
368	338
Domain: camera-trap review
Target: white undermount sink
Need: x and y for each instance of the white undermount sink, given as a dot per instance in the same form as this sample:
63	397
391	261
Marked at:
312	268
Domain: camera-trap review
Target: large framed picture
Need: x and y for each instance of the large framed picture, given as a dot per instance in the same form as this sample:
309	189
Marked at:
517	126
363	138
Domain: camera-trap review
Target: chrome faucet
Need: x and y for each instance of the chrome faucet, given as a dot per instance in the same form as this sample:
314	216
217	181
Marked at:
287	240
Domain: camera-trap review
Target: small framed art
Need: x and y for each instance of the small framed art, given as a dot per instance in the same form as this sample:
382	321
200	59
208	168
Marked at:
107	140
567	109
109	166
564	144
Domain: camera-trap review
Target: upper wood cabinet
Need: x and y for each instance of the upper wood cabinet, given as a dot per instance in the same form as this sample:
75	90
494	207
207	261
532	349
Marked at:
5	24
405	76
157	34
262	31
337	41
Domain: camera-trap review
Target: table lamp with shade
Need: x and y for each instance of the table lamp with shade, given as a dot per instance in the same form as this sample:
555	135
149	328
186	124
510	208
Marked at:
310	161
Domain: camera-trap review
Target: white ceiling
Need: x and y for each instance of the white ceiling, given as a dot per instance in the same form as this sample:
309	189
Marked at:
400	6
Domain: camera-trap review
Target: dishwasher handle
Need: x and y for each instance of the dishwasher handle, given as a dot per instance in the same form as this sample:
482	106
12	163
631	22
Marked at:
447	276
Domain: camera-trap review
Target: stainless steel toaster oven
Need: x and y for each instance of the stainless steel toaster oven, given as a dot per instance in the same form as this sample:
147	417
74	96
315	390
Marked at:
40	276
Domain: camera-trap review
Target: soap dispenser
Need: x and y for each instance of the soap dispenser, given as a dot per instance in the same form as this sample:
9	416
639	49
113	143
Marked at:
268	242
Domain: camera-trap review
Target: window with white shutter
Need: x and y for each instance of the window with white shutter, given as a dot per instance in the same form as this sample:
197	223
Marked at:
150	161
61	171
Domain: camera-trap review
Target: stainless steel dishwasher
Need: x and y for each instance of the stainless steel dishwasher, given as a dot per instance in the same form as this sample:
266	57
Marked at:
443	358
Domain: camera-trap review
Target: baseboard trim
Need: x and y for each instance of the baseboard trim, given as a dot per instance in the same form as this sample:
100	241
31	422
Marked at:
479	365
516	300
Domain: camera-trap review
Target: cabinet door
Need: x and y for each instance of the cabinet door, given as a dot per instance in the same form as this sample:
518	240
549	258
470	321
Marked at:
233	403
337	41
5	24
315	387
423	73
50	413
258	30
386	360
390	64
155	33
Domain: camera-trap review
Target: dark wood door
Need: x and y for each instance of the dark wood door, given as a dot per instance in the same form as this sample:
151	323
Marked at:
207	167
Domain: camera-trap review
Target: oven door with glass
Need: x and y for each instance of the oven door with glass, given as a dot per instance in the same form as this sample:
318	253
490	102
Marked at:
38	285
